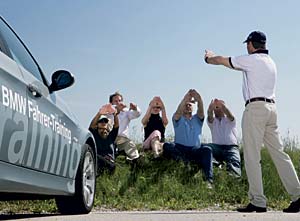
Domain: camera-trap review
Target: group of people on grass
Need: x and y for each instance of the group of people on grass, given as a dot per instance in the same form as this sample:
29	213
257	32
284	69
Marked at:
259	126
111	124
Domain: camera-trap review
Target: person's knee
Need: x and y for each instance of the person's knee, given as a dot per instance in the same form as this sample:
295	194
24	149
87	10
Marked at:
156	133
105	165
131	150
154	141
233	157
168	146
206	147
235	163
206	150
168	149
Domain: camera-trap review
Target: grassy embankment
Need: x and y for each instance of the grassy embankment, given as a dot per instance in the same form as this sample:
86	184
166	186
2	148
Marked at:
170	185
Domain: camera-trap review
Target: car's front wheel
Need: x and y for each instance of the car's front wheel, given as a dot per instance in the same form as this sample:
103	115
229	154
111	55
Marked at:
83	200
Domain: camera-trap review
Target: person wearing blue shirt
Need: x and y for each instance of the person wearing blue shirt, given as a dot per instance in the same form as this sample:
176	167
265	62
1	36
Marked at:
188	130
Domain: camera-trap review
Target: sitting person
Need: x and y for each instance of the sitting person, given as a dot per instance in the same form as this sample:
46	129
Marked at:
224	144
105	138
124	143
154	126
188	131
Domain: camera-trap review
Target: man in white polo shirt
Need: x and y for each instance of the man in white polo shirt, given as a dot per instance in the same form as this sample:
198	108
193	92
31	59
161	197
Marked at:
224	144
259	124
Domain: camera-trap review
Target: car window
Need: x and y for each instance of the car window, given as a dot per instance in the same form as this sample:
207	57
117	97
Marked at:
18	52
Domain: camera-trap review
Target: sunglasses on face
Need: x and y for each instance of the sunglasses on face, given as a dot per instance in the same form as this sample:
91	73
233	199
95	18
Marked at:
156	107
105	121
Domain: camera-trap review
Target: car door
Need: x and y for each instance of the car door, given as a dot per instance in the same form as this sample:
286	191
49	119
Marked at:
47	140
56	149
14	121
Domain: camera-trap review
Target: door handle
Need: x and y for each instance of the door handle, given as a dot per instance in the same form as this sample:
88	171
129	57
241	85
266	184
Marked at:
34	90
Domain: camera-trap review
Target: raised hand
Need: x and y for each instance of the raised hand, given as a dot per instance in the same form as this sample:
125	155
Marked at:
219	104
133	106
157	101
188	96
212	105
195	95
107	109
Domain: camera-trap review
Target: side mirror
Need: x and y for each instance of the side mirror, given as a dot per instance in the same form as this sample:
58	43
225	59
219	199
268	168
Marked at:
61	79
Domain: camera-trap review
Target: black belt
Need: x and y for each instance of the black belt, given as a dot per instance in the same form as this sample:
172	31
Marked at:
259	99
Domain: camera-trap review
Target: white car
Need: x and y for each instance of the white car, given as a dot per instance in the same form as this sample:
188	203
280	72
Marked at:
44	152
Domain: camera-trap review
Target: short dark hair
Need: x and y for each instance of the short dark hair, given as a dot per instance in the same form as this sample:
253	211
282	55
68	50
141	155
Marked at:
258	45
111	97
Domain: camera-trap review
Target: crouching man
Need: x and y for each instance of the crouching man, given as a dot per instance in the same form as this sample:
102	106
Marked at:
105	138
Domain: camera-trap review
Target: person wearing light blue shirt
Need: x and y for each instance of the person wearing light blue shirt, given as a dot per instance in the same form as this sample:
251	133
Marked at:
188	130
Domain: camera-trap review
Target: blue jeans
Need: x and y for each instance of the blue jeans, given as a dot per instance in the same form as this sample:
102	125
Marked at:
202	156
229	154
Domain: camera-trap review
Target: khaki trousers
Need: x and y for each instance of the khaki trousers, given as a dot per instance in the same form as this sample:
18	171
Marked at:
127	145
259	126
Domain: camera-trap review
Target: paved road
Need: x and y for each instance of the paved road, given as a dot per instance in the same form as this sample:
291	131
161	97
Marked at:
161	216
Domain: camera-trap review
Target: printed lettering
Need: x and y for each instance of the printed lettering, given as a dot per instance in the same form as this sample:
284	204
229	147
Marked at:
63	158
75	157
36	139
5	96
17	143
54	152
33	144
45	144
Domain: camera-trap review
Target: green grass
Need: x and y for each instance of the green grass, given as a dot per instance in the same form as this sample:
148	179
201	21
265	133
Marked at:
169	185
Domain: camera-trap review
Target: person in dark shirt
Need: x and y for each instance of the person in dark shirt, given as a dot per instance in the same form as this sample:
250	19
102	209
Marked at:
154	126
105	138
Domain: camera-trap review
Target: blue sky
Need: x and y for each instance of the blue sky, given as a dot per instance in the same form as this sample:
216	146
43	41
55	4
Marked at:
155	48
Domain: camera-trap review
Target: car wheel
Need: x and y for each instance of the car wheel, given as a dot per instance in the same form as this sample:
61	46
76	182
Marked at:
83	199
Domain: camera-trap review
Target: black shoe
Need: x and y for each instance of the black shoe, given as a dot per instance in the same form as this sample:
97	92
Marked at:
293	208
251	208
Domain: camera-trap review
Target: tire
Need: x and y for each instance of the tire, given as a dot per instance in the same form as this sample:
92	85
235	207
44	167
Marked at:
85	186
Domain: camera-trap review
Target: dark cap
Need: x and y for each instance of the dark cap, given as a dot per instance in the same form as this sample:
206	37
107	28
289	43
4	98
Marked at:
256	36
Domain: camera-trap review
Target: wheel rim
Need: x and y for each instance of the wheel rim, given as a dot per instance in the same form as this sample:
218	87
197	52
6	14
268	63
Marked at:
88	180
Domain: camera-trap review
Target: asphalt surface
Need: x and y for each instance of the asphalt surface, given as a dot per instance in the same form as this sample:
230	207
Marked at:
161	216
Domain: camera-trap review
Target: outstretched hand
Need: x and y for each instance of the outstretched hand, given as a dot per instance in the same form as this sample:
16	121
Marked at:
208	54
107	109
